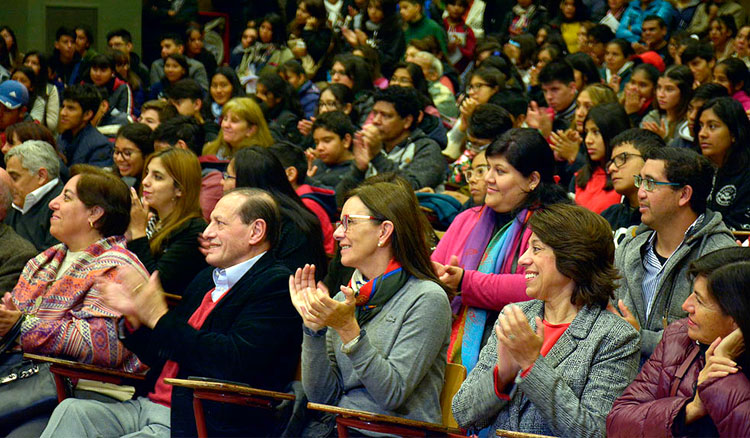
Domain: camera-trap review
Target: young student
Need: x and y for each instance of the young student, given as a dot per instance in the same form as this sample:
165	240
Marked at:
592	186
732	74
618	68
701	95
699	56
599	36
172	44
83	40
673	93
65	63
79	140
627	158
332	157
309	94
721	34
570	20
461	39
187	97
418	25
320	201
103	75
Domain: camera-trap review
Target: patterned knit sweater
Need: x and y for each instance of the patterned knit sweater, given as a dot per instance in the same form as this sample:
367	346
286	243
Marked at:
67	317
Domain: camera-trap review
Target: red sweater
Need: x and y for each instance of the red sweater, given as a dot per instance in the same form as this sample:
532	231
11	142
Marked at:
594	197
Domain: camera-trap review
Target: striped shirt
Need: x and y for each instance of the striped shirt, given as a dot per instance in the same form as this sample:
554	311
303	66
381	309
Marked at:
653	268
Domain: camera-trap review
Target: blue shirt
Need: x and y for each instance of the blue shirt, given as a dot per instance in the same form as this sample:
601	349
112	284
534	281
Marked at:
632	19
224	279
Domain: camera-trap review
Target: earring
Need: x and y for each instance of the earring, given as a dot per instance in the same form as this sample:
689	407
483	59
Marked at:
380	244
91	223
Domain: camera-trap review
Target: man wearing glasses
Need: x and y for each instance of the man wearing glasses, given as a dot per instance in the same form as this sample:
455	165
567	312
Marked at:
676	229
628	150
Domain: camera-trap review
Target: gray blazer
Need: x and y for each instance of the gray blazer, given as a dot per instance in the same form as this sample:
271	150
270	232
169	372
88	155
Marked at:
567	393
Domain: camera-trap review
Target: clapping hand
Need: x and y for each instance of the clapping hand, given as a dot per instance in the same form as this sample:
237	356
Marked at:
9	314
519	340
565	144
660	129
140	300
138	217
311	157
304	126
450	274
538	118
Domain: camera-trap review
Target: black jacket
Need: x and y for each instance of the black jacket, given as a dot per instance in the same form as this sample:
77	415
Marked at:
253	336
34	225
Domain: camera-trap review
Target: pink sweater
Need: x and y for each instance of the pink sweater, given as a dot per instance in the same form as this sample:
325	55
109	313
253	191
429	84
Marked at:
486	291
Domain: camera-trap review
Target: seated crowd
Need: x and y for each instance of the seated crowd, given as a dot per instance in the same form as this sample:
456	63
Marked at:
362	194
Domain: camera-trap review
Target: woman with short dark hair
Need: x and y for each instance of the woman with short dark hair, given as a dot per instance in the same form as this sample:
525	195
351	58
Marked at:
56	305
696	381
554	365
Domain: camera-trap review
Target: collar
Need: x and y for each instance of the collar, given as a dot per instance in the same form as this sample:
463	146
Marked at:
32	198
225	279
697	223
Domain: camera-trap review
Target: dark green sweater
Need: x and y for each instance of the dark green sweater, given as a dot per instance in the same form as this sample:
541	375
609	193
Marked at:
423	27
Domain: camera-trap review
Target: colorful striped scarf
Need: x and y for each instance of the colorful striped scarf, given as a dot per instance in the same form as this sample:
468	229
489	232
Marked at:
490	256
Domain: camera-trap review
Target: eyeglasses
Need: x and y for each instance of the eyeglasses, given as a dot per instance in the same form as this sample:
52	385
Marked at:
332	105
125	153
478	171
346	220
478	86
649	184
619	160
226	175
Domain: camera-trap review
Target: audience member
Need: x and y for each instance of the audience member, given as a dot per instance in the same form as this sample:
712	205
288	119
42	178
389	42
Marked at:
618	67
676	229
708	393
235	323
593	186
14	99
640	92
172	44
569	20
268	52
281	107
122	40
479	257
418	25
732	74
332	156
224	86
194	49
626	160
15	251
242	125
706	11
383	30
154	112
34	168
79	141
46	107
723	136
632	19
321	201
133	144
187	97
346	336
83	40
673	94
701	95
394	143
352	71
257	167
11	43
461	38
126	73
103	75
65	64
722	31
570	277
699	56
166	222
526	16
307	93
176	68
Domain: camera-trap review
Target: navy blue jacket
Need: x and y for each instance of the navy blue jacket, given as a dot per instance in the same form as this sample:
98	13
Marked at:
88	147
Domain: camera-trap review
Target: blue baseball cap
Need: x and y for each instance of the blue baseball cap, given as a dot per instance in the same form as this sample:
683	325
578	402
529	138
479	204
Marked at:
13	94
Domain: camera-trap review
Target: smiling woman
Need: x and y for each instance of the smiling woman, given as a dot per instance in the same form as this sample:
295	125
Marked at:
555	365
168	242
132	145
242	125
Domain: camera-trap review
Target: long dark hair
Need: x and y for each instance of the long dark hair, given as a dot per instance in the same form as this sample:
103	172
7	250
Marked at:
611	119
733	115
684	79
237	89
417	79
281	89
355	68
40	86
527	151
258	168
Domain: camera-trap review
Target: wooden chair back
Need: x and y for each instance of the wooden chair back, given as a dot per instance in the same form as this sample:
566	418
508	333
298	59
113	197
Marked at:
455	374
514	434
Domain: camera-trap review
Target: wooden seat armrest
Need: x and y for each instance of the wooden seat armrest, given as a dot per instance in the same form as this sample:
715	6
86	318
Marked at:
223	387
514	434
373	418
67	369
172	300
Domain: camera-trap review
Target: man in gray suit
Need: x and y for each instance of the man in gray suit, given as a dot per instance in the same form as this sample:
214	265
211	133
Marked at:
676	229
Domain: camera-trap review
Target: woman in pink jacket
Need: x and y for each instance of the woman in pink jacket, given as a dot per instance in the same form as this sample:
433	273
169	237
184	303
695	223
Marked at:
696	381
478	255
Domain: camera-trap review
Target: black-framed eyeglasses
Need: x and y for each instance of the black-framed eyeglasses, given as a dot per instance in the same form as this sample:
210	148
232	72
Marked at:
125	153
226	175
619	160
346	220
477	86
649	183
478	171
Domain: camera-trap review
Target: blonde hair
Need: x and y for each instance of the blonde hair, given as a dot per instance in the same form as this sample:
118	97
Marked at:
183	167
246	109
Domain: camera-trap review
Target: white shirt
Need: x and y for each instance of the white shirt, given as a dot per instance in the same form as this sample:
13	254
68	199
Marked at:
34	197
225	279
